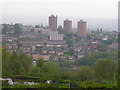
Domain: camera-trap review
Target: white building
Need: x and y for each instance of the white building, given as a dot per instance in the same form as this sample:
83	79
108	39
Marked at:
56	37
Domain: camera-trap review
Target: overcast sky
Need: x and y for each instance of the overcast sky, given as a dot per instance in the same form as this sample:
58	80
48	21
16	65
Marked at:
27	10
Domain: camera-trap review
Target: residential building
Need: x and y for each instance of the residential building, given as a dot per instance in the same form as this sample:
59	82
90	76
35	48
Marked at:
81	27
67	26
53	22
56	37
37	56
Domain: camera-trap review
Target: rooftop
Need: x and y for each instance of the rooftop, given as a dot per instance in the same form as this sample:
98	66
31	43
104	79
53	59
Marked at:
52	15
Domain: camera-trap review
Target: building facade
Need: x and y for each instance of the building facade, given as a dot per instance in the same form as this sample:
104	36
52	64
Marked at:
53	22
81	27
67	26
56	37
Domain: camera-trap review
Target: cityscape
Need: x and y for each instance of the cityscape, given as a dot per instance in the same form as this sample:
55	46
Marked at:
51	42
58	44
53	55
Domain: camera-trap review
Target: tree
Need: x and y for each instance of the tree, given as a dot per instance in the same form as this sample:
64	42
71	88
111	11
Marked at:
68	38
85	73
26	62
37	26
106	69
71	51
51	70
15	64
5	62
6	29
93	58
102	47
66	74
60	30
17	29
36	71
40	62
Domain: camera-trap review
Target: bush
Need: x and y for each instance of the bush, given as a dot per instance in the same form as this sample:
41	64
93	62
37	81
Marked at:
92	84
40	85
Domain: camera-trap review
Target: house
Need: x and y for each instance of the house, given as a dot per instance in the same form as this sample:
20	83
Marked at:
59	53
105	38
63	58
56	37
114	45
47	43
33	48
79	48
94	47
55	43
37	56
32	43
71	58
51	52
94	42
26	50
80	56
55	58
45	51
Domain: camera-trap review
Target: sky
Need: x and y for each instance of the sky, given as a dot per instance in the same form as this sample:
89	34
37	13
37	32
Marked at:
28	11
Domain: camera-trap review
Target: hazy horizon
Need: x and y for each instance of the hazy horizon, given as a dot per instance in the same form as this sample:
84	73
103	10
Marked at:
97	13
92	23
